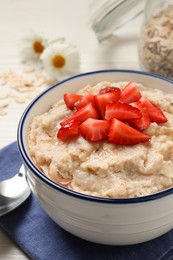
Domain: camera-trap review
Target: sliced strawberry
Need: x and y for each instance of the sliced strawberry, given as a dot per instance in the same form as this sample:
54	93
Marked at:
155	113
81	115
94	129
122	111
101	100
144	122
123	134
130	93
111	89
71	99
69	130
86	99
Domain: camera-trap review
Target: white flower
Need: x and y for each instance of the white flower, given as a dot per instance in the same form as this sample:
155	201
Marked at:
33	46
60	60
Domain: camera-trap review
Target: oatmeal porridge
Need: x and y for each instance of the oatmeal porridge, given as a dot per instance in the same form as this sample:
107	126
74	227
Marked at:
120	154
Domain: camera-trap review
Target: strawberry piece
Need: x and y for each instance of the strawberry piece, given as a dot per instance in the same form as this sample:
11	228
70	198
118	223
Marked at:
111	89
144	122
155	113
122	111
81	115
130	93
101	100
123	134
94	129
86	99
71	99
69	130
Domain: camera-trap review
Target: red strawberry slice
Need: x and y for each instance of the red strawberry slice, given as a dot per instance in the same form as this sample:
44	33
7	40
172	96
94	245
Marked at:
144	122
155	113
111	89
123	134
69	130
94	129
101	100
86	99
130	93
81	115
122	111
71	99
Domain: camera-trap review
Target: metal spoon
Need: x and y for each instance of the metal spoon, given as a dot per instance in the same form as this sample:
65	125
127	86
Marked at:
13	192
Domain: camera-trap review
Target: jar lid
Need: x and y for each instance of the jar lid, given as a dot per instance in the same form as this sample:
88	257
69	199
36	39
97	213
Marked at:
105	16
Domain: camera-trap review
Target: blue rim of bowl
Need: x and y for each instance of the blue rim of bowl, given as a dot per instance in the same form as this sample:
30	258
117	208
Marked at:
30	164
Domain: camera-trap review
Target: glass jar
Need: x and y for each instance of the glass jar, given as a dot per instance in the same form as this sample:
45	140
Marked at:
105	16
156	39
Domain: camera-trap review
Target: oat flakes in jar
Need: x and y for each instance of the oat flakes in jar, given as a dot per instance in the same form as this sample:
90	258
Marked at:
156	39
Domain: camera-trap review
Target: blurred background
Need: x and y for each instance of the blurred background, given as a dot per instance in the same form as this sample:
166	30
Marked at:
55	19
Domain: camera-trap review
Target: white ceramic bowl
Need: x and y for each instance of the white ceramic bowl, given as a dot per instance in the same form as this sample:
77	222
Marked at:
102	220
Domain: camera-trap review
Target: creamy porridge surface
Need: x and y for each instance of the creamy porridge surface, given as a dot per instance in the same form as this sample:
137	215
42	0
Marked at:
102	168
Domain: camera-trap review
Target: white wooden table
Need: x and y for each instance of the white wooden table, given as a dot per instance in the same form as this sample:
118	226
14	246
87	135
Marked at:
55	19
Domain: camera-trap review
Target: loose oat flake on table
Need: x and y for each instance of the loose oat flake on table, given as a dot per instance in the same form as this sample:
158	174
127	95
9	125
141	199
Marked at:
20	87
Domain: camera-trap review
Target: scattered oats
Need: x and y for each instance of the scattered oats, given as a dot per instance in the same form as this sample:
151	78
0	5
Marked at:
4	82
30	95
5	95
20	99
40	82
28	69
24	86
40	78
6	75
25	89
4	103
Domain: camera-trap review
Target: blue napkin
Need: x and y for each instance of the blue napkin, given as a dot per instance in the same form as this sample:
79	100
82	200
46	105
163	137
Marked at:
41	239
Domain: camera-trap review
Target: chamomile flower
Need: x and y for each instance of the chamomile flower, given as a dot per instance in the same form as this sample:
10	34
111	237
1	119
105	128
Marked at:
32	47
60	60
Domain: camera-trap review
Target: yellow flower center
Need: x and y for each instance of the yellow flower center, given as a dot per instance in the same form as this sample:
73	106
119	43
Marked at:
38	47
58	61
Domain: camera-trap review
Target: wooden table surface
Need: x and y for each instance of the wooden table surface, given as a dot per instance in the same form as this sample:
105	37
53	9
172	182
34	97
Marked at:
55	19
